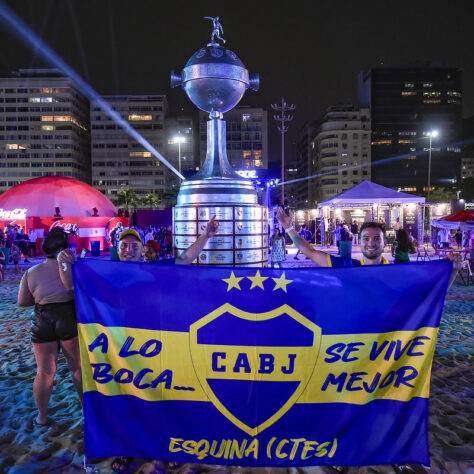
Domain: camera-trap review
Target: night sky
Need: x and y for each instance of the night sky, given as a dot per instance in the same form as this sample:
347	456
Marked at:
308	52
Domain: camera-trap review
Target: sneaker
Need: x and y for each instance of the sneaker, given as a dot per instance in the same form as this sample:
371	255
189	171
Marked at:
88	466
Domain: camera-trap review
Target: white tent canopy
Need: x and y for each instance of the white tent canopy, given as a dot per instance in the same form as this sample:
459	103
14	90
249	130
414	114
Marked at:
371	193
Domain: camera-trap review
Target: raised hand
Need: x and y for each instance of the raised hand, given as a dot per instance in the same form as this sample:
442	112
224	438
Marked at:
212	227
66	256
283	218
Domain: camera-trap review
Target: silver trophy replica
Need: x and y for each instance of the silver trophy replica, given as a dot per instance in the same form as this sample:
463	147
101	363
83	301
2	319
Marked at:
215	80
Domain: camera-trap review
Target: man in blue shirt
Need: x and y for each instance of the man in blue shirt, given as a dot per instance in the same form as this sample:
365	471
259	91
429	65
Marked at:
372	243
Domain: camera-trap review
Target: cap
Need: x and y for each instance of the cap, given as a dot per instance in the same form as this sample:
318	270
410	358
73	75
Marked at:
131	232
154	245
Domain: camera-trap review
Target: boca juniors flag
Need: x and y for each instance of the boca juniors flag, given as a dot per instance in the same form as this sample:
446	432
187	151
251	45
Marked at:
258	367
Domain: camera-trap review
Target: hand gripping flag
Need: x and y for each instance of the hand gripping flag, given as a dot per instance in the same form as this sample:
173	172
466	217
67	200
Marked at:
241	366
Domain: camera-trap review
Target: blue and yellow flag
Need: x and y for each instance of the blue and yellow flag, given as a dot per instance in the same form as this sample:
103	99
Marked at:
258	367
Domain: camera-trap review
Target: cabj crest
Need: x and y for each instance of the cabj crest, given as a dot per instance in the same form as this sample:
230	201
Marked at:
264	360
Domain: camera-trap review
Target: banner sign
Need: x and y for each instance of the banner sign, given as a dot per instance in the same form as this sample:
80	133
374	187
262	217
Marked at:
258	367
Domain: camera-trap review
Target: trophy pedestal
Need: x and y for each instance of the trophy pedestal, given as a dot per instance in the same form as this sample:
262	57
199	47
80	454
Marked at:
243	233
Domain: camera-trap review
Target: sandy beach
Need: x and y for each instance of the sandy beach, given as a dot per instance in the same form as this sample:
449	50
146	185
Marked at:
27	449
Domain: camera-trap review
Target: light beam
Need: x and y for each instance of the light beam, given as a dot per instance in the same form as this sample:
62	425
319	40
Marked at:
33	41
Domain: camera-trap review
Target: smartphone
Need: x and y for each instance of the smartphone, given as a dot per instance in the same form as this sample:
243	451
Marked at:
83	253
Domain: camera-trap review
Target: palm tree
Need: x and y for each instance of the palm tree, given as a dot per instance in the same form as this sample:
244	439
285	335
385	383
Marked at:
128	199
442	194
168	197
151	200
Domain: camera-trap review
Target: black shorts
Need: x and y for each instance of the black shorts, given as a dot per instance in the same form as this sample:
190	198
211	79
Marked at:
54	322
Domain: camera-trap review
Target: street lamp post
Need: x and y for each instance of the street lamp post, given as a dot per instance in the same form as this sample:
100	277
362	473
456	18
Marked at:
282	118
179	139
430	135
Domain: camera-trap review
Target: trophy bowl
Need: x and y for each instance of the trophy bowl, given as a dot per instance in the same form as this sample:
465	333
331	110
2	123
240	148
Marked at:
215	79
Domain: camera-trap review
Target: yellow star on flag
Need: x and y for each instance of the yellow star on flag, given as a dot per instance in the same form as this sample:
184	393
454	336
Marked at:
232	281
257	280
280	283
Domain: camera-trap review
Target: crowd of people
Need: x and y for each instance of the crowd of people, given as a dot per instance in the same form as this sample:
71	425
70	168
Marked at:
446	238
15	243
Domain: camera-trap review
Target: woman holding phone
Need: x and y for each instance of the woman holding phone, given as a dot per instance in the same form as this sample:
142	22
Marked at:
48	286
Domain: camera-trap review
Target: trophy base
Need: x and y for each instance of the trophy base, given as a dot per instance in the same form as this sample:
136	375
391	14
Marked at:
243	233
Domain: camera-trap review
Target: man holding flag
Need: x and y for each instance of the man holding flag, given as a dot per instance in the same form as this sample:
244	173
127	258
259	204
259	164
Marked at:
372	244
131	249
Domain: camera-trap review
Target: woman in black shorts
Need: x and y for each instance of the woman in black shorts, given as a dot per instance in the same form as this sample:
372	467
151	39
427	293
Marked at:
54	326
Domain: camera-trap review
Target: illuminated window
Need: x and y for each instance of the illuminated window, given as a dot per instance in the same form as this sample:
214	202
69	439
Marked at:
47	90
453	93
257	154
145	154
427	84
382	142
47	127
453	101
408	93
246	155
135	117
34	99
46	118
11	146
406	189
431	94
246	117
411	157
431	101
257	163
409	84
406	141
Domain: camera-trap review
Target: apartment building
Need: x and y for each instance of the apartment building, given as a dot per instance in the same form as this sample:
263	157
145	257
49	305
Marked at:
44	127
341	154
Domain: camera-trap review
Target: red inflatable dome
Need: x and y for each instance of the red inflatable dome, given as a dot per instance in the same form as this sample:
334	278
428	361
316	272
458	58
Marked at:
40	196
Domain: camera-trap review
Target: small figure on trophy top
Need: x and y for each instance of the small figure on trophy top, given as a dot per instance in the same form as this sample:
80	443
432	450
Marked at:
216	29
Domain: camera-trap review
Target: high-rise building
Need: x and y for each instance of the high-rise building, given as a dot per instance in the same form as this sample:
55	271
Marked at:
44	127
301	194
467	167
406	103
246	137
467	153
118	160
340	151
